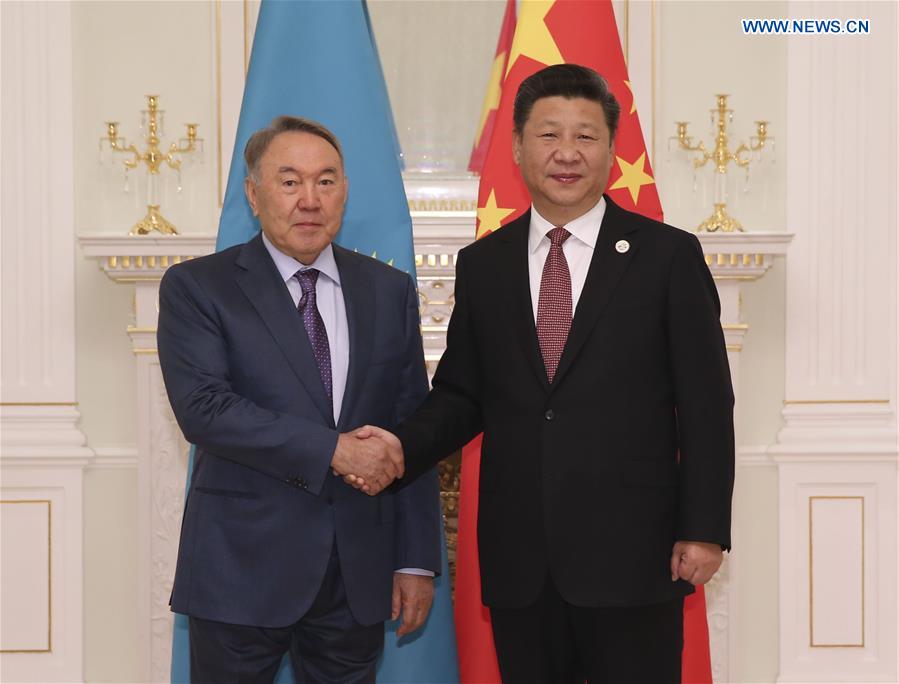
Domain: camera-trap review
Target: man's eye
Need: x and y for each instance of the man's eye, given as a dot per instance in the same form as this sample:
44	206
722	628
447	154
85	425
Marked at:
289	183
326	181
584	136
547	135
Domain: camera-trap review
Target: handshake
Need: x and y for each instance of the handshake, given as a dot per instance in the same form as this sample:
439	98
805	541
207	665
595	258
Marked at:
369	459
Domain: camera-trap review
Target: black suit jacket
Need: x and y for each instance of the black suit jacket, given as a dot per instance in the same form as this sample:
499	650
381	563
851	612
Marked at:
263	510
581	478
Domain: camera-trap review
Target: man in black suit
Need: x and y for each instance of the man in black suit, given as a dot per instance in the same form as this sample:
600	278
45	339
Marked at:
272	351
585	344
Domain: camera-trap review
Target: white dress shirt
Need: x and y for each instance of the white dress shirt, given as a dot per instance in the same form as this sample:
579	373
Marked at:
329	299
578	250
332	308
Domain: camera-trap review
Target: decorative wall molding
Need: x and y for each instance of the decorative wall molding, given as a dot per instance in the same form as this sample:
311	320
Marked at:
42	450
839	442
59	658
755	456
118	457
37	251
864	615
162	473
41	432
841	286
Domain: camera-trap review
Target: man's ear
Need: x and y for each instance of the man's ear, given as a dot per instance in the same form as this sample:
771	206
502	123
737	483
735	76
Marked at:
516	147
249	188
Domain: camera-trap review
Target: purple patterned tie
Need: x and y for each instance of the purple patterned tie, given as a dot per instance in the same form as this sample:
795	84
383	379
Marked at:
315	326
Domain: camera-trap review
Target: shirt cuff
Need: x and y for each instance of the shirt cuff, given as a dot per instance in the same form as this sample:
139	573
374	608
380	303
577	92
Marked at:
415	571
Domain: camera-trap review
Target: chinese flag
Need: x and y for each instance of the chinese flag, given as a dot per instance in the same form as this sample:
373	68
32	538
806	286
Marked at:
494	90
554	32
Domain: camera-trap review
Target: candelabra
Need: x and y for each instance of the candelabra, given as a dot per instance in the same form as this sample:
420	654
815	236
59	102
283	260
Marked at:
154	158
721	157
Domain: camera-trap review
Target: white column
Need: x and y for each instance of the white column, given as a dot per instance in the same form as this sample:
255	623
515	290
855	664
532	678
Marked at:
734	260
162	453
837	451
43	450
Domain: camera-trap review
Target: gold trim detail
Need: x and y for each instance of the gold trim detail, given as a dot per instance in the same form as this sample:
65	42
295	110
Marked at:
811	605
137	279
151	351
734	347
136	329
38	403
435	260
836	401
735	326
138	262
422	205
751	260
49	503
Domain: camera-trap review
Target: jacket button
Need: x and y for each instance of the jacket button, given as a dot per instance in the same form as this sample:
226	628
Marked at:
549	415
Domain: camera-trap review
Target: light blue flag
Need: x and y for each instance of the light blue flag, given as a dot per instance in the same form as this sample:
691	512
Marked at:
318	59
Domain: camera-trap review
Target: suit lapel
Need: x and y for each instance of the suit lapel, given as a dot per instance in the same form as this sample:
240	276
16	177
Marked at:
359	299
606	268
262	284
522	310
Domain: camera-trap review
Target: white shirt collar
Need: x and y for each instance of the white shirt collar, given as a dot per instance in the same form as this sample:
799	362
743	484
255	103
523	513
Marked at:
585	227
288	266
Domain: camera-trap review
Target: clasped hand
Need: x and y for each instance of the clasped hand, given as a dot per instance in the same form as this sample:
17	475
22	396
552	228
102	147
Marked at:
695	562
369	459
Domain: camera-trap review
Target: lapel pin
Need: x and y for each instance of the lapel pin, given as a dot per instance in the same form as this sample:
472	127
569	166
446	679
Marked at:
622	246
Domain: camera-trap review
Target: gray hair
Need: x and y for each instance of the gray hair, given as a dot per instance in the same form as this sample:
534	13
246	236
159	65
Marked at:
261	139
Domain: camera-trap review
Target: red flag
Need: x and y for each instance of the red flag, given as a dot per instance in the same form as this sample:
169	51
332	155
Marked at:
554	32
494	90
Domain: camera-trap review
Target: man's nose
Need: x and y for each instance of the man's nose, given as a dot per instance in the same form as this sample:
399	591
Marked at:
566	151
308	198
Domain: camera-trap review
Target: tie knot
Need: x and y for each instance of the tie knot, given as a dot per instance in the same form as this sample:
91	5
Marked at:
307	278
557	236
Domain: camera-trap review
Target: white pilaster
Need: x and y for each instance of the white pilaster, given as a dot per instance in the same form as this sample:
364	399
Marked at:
43	452
837	451
162	453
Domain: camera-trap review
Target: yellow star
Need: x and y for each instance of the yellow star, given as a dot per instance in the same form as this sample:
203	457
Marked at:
633	177
490	217
532	37
633	99
494	90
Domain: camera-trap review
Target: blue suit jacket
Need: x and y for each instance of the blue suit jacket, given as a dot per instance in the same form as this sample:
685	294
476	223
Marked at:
263	509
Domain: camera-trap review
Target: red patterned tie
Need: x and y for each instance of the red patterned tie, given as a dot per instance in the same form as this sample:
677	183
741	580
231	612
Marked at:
554	306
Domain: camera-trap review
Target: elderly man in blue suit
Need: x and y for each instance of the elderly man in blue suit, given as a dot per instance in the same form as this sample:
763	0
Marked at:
272	353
